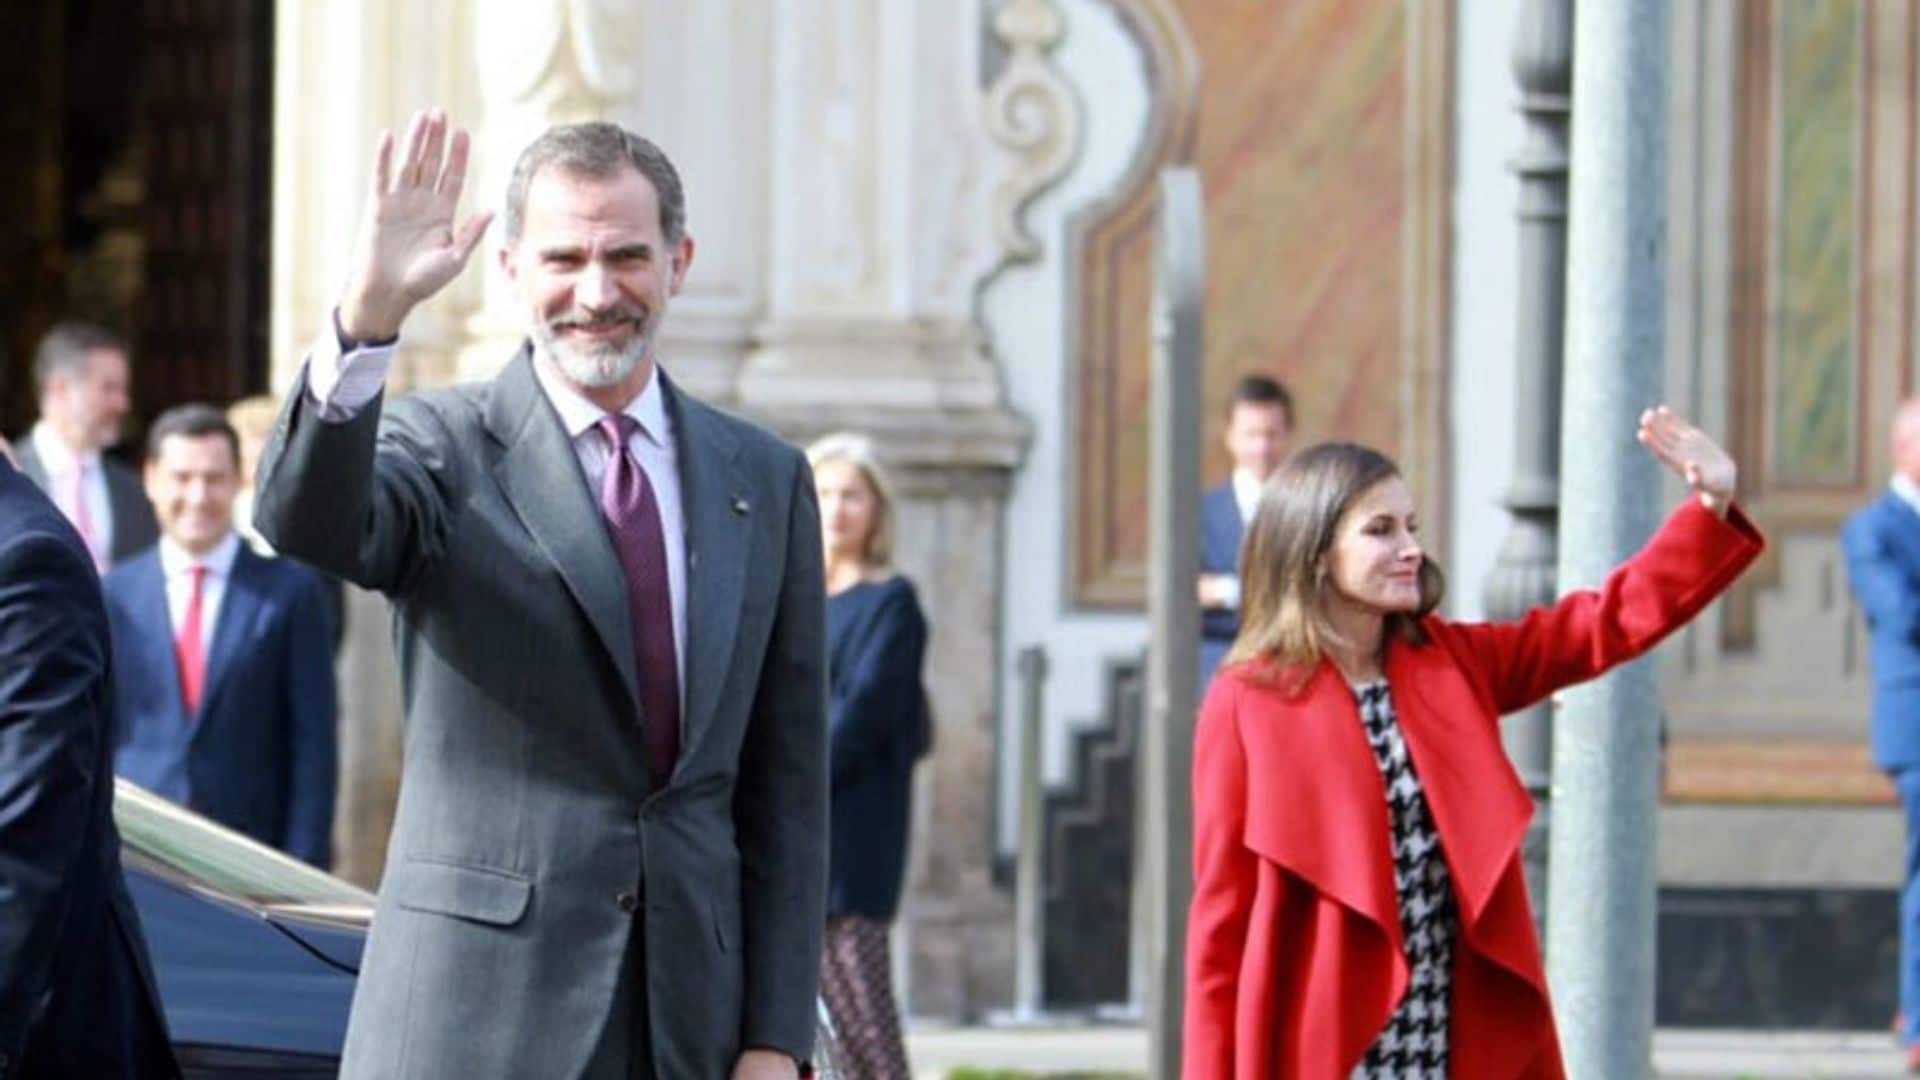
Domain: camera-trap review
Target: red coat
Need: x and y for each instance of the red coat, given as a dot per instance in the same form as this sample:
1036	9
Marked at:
1294	958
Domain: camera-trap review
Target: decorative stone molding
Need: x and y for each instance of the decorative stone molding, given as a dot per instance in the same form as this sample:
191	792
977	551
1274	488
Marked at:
1033	112
881	201
570	57
338	82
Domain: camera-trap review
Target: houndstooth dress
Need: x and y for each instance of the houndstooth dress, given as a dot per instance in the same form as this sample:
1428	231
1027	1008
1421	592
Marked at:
1413	1045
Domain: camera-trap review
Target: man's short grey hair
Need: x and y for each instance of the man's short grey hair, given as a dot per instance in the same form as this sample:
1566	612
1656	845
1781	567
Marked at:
599	150
67	350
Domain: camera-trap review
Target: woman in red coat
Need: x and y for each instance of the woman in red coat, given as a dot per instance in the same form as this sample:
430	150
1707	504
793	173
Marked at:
1358	905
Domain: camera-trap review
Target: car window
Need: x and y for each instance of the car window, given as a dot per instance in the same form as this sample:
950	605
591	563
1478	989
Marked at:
180	844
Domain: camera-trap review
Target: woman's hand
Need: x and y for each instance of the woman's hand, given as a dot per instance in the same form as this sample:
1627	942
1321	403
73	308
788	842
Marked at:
1692	456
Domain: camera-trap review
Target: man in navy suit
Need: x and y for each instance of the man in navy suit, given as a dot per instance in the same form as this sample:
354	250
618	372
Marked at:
1259	432
1882	544
225	699
77	995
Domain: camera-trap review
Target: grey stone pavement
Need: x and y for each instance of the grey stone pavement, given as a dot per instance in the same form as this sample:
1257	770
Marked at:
1722	1055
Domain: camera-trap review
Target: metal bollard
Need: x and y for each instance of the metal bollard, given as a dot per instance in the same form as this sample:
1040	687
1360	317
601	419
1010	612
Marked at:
1029	921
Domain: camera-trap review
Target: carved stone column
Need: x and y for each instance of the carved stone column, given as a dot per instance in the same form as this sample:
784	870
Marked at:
1523	576
338	82
897	181
876	195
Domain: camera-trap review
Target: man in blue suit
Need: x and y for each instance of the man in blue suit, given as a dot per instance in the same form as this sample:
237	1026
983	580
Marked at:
1259	433
1882	544
226	698
77	994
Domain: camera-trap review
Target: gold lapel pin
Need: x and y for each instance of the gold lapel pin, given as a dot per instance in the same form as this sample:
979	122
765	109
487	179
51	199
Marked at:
740	505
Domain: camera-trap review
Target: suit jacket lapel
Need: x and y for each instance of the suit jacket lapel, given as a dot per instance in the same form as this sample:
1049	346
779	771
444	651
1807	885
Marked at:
156	630
719	522
127	508
1320	810
1900	515
30	463
238	605
540	476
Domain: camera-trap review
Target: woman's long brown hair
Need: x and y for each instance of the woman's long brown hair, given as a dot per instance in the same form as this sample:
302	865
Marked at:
1284	627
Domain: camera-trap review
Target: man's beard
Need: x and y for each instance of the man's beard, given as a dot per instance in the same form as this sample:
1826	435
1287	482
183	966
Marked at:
596	365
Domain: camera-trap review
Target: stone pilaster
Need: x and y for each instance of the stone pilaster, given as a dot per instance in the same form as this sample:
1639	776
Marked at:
898	177
879	211
338	82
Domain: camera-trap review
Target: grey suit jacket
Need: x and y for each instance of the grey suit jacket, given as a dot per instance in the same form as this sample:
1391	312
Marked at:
134	527
528	846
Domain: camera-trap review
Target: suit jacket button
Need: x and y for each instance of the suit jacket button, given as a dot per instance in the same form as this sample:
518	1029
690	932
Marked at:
628	902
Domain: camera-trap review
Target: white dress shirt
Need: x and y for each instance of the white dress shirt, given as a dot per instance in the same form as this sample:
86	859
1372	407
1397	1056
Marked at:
60	463
243	524
1907	491
1246	496
174	564
340	385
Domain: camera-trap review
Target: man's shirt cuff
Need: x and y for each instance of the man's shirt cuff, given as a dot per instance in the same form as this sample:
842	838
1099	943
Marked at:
340	384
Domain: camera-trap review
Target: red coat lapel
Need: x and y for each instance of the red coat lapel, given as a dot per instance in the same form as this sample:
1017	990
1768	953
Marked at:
1478	803
1316	804
1321	811
1316	810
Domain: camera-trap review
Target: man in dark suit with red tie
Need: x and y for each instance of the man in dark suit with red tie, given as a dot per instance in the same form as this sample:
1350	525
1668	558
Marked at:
225	700
77	994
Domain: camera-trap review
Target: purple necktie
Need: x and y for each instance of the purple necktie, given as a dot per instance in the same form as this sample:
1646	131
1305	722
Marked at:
633	522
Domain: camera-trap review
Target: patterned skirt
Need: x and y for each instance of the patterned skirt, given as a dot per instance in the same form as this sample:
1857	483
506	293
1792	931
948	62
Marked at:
856	978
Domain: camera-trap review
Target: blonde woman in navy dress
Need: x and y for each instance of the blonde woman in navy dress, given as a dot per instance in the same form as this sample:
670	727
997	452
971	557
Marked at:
876	641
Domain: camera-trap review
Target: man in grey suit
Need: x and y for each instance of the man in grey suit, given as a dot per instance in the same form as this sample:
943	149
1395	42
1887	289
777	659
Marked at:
84	382
609	855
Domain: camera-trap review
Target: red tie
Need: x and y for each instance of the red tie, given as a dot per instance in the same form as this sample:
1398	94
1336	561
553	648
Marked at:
633	522
186	646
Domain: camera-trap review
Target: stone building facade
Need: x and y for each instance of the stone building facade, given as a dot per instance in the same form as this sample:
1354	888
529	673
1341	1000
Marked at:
931	220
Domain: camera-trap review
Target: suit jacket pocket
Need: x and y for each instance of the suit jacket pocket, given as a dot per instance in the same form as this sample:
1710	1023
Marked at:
478	893
726	923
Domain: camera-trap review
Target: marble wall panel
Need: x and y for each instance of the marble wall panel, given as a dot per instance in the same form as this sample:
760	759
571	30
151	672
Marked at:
1814	405
1320	131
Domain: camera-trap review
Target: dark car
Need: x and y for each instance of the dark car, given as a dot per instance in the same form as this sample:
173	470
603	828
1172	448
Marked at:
255	952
